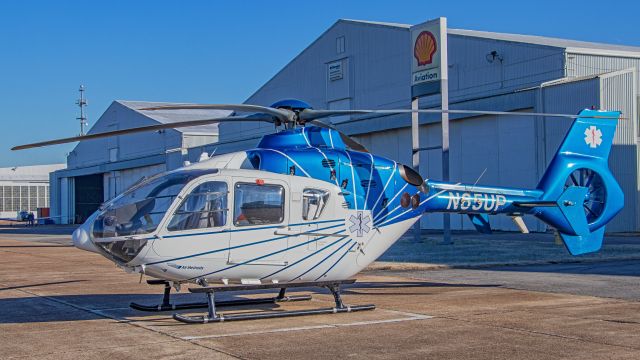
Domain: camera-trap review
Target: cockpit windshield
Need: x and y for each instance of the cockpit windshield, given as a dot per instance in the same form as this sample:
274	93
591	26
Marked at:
140	209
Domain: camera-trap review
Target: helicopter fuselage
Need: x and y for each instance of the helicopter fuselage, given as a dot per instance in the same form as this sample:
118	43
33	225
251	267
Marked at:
300	206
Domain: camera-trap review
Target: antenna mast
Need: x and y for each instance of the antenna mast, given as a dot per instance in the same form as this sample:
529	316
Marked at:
82	102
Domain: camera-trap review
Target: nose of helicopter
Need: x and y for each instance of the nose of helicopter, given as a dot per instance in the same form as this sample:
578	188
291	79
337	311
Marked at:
82	237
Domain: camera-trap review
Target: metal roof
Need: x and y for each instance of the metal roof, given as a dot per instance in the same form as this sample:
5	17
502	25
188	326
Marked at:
29	173
529	39
173	116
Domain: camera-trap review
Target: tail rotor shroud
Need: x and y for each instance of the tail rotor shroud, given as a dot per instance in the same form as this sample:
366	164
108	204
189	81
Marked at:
596	196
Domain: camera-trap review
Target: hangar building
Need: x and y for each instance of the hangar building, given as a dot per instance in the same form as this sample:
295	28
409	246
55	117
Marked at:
98	170
487	71
527	73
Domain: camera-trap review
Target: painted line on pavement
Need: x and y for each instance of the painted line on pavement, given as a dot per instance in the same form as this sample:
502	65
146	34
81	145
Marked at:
409	317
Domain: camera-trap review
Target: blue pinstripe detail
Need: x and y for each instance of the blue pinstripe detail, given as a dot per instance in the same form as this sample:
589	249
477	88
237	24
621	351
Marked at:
234	247
258	258
323	260
353	181
337	261
242	230
376	216
219	250
384	189
306	257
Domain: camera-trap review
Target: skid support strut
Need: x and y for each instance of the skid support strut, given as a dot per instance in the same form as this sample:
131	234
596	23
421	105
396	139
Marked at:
213	316
166	304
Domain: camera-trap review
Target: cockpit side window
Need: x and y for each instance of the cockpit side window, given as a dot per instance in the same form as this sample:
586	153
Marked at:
258	204
204	207
313	203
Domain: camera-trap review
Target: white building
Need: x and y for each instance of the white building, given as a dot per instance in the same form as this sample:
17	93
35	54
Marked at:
487	71
24	188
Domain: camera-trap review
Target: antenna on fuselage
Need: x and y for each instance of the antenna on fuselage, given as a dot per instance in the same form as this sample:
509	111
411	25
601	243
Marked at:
478	179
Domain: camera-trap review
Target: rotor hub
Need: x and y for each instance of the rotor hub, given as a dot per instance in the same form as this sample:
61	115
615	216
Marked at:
291	104
295	106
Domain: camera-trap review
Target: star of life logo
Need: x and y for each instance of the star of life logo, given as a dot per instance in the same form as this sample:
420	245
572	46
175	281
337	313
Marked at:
593	137
359	224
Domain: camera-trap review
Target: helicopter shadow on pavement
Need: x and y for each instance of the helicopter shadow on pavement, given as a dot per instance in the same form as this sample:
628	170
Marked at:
52	308
382	288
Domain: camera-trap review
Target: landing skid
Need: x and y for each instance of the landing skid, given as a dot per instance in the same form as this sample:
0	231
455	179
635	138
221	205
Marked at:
166	304
213	316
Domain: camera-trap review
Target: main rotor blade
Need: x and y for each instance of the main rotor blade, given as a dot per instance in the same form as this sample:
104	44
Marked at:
283	115
174	125
310	114
348	140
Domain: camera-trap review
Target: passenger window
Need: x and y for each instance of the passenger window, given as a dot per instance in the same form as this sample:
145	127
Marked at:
313	203
204	207
258	204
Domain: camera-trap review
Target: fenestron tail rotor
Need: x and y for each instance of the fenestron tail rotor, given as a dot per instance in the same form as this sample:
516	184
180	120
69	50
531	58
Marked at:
596	196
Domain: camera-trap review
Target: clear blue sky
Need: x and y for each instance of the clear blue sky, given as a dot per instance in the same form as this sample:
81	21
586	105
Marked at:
214	51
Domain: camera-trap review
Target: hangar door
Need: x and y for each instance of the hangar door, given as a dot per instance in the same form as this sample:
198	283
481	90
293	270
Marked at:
89	194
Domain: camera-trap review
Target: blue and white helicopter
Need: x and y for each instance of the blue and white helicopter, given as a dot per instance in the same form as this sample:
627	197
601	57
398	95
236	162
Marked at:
310	206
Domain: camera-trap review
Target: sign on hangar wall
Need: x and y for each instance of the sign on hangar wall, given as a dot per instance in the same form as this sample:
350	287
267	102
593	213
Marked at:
429	57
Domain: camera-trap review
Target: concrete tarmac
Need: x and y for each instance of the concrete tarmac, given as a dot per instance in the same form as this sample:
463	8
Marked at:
57	302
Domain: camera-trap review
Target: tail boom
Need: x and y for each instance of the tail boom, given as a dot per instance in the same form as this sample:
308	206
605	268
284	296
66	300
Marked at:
578	195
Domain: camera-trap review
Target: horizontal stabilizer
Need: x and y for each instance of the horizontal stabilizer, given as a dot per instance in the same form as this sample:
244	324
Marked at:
570	204
533	204
582	240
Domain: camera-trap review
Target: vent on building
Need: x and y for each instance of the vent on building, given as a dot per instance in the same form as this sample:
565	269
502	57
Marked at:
368	183
328	163
346	205
340	47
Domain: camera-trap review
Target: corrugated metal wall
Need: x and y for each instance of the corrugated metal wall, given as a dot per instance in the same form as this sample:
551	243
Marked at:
377	73
564	98
471	74
618	91
501	149
592	64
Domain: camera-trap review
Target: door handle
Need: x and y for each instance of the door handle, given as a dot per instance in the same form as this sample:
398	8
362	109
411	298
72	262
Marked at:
285	230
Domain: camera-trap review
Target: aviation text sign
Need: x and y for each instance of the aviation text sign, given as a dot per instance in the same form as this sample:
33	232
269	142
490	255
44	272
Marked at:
428	50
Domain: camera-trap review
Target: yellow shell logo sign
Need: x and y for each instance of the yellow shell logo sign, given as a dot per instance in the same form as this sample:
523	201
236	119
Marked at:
424	48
